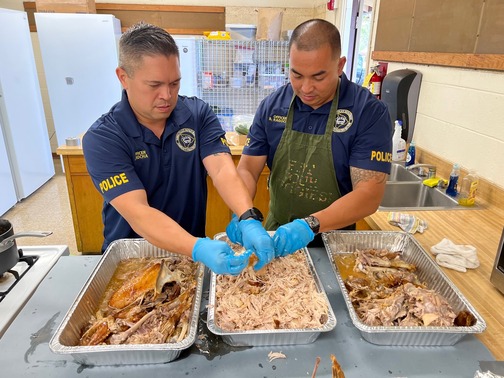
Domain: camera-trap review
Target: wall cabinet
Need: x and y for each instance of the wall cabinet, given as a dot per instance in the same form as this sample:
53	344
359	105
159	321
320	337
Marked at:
86	202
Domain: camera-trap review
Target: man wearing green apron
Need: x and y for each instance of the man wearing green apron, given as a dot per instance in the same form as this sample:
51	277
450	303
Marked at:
326	140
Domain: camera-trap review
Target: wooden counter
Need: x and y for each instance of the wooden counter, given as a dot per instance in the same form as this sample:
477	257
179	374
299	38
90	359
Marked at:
86	202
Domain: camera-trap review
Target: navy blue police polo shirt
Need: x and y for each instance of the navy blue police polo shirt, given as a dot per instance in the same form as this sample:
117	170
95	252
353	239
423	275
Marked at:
362	134
122	155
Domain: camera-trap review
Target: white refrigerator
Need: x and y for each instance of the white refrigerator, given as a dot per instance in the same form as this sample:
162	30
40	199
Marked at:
25	153
80	55
188	64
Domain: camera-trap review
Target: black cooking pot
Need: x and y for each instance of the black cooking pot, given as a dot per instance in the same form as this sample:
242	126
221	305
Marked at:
9	255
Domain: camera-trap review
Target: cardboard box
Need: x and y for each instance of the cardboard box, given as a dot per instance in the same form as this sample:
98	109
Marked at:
235	139
242	32
66	6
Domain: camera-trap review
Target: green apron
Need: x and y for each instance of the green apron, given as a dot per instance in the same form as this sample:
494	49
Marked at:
303	178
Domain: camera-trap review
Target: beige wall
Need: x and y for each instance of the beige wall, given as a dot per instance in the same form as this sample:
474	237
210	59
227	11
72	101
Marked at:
249	15
12	4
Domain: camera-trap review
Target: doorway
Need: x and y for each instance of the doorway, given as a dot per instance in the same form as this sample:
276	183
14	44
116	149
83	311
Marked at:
356	34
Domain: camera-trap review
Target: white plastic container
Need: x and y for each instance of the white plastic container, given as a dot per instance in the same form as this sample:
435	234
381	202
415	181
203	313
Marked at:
271	75
226	119
247	73
398	144
242	32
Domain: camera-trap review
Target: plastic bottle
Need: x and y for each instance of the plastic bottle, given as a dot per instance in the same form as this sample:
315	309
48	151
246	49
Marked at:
452	184
398	144
226	119
410	157
468	189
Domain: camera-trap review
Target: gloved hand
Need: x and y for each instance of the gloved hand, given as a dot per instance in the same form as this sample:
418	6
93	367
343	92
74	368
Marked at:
219	257
233	231
292	236
257	239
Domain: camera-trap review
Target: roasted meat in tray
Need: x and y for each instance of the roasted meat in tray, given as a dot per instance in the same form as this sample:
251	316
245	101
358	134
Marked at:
139	306
147	301
395	292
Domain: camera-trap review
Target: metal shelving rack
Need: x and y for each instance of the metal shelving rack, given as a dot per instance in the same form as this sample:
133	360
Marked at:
235	76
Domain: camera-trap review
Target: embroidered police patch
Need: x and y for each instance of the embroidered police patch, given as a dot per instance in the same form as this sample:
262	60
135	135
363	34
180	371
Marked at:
344	119
186	139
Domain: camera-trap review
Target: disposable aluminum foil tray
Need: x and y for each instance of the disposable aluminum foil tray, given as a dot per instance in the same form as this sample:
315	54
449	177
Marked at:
269	337
346	242
66	339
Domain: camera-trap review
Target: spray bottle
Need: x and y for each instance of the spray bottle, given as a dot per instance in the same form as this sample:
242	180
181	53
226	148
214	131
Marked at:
398	144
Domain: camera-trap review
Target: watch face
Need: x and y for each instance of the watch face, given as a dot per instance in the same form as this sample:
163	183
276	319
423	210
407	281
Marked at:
313	223
253	213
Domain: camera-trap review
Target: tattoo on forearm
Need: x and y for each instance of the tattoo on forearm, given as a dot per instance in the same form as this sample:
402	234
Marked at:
359	175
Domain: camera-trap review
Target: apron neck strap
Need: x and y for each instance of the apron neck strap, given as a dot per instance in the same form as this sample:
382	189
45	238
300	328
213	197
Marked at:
332	113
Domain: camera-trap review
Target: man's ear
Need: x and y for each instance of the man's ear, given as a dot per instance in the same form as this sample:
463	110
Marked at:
341	65
122	76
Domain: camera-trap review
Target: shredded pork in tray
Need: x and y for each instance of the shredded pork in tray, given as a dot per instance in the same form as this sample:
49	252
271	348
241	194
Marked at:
282	295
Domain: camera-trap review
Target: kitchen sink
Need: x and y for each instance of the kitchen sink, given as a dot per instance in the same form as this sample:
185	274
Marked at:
416	196
405	190
399	173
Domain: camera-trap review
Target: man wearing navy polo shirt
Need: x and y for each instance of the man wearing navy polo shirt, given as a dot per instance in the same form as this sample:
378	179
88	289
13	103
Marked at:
150	154
327	142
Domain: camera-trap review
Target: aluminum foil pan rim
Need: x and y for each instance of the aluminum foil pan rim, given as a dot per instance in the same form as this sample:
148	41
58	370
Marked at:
328	326
78	351
479	327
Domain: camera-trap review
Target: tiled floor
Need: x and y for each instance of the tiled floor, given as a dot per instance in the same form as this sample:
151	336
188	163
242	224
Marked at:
48	209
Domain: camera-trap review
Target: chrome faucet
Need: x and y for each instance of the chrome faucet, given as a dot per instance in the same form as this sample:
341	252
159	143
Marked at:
430	173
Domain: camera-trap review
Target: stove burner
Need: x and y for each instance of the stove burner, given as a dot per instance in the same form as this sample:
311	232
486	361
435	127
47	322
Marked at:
24	264
14	273
30	260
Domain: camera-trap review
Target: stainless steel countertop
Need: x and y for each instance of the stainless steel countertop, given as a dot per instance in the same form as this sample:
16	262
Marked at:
25	345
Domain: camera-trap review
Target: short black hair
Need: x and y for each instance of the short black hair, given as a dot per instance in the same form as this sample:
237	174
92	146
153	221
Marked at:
312	34
143	39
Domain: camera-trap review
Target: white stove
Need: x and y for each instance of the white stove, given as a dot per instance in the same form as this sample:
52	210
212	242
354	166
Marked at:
31	270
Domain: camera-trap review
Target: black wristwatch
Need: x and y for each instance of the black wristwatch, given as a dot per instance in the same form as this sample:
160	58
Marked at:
313	223
253	213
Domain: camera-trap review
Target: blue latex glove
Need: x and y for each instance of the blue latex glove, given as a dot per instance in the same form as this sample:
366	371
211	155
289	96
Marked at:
219	257
233	231
292	236
258	240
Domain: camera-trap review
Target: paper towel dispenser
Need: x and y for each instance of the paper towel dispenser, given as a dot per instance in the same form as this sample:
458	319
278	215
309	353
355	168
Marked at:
497	276
400	90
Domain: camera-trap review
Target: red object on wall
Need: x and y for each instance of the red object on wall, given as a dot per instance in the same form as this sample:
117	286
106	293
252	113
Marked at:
330	5
375	84
378	73
383	66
